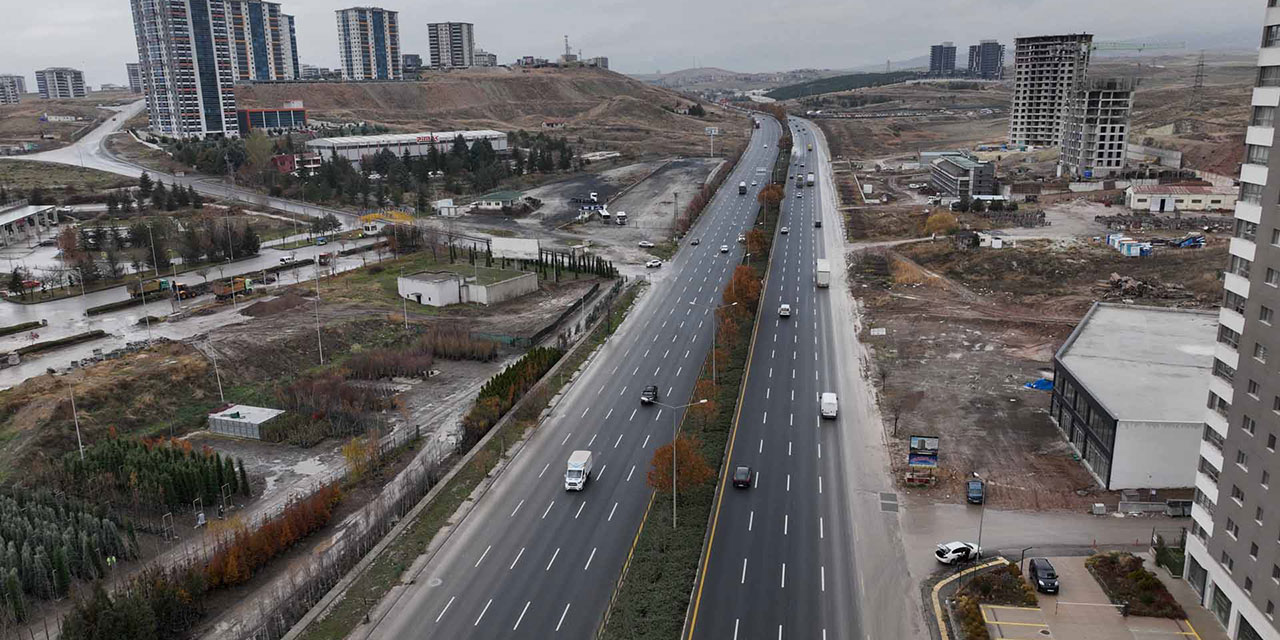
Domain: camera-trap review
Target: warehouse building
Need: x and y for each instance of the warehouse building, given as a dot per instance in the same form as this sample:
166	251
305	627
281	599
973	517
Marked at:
443	288
1163	198
26	223
1128	393
355	148
293	115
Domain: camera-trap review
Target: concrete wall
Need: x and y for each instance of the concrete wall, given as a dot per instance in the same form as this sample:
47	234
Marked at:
1155	455
434	294
505	290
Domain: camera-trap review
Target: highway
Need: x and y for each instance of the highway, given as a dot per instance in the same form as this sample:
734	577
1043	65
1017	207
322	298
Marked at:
534	561
792	556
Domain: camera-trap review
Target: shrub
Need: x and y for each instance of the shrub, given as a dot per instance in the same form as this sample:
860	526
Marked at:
502	391
1125	580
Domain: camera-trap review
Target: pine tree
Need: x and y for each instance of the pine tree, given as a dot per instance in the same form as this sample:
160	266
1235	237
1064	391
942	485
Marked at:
61	572
229	475
244	480
13	596
144	184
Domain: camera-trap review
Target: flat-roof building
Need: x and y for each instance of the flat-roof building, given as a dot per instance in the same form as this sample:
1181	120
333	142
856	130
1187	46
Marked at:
986	60
355	148
942	59
290	116
1128	391
452	44
21	222
369	43
242	421
1164	198
960	176
60	82
11	89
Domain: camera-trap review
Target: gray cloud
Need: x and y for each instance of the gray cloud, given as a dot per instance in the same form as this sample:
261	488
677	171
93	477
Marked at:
642	37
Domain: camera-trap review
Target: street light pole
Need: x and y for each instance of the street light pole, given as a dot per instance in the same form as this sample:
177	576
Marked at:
714	333
674	425
982	514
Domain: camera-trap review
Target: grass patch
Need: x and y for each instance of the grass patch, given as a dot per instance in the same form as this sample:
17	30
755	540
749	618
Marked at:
386	570
1000	586
60	342
23	175
1125	580
664	250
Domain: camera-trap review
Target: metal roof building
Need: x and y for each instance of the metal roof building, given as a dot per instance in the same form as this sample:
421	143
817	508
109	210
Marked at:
354	148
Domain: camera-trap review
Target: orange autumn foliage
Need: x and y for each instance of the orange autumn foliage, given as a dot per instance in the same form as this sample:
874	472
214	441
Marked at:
248	551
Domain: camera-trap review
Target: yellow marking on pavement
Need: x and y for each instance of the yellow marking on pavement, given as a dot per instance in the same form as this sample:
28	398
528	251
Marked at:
937	604
1193	630
1005	606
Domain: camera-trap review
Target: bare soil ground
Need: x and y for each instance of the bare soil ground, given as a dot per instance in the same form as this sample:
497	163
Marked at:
20	175
966	329
21	122
889	136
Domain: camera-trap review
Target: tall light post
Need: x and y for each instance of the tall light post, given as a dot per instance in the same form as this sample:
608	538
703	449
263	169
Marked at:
982	513
674	425
714	331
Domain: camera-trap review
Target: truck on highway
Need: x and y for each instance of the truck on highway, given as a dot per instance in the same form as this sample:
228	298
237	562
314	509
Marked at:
149	287
829	406
577	471
822	275
620	217
809	180
224	290
324	259
742	188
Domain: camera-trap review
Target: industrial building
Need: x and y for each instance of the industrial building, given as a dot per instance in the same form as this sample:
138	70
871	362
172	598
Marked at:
11	89
942	59
959	176
26	223
1127	388
1095	130
60	82
369	43
184	52
1163	198
293	115
264	41
1232	559
452	45
1047	69
355	148
986	60
135	76
443	288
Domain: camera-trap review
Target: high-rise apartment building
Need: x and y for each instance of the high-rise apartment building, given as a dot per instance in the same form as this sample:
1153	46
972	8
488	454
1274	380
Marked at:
1096	127
135	76
942	59
60	82
12	88
1233	558
1047	69
263	41
986	60
184	50
452	44
369	44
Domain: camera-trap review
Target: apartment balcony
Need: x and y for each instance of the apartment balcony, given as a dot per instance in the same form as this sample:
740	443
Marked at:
1211	453
1236	284
1222	388
1231	319
1269	57
1202	518
1217	422
1207	485
1253	173
1261	136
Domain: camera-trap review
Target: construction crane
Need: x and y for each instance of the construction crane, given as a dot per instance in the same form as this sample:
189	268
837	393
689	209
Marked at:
1135	46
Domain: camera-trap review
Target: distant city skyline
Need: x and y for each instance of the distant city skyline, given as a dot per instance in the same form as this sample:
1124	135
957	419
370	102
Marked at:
97	36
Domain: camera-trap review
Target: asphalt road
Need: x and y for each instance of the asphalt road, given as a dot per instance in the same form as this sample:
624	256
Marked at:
785	557
532	560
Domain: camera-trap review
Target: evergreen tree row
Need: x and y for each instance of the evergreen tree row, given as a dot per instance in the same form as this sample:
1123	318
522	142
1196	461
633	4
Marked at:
155	473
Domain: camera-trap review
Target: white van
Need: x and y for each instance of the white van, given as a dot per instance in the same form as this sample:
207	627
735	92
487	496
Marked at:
829	407
577	471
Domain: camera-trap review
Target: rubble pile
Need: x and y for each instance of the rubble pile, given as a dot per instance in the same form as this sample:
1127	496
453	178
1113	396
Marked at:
1118	286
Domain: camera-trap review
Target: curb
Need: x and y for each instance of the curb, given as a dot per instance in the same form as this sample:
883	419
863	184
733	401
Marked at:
937	588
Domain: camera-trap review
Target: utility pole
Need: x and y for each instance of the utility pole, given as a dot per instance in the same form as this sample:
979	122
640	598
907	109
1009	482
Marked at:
1197	86
218	375
76	417
319	341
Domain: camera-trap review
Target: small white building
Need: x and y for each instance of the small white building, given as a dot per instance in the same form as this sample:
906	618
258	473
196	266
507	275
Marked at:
447	208
443	288
1161	198
21	222
242	421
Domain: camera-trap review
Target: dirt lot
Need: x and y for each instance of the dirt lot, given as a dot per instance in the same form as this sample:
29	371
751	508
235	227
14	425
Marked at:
21	122
966	329
21	175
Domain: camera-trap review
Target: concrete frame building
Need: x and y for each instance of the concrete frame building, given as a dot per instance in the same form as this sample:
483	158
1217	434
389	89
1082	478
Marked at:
452	45
1047	69
986	60
184	51
960	176
12	88
485	59
134	70
942	59
1233	559
1095	131
369	43
263	41
60	82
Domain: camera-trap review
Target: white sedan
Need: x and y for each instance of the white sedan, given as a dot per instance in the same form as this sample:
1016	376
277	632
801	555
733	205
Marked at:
724	248
953	552
653	264
786	230
645	244
784	311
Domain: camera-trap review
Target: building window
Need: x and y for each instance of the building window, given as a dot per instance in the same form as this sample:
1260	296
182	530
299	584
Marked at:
1239	266
1271	442
1266	315
1204	502
1275	237
1269	76
1228	336
1227	562
1275	573
1242	460
1246	230
1259	354
1233	529
1223	370
1263	117
1248	586
1208	469
1257	515
1250	192
1253	388
1271	610
1266	479
1237	494
1234	302
1271	35
1212	437
1249	425
1273	277
1257	154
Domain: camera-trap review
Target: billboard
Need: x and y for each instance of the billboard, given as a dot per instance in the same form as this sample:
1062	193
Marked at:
515	248
923	452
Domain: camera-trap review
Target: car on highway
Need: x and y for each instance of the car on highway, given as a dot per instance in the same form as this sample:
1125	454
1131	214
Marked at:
754	183
653	264
766	145
649	395
829	405
799	194
724	248
784	311
1043	575
695	242
817	223
953	552
742	238
645	244
742	477
785	230
975	491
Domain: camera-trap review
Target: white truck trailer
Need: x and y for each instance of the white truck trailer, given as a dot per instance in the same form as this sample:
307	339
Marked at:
577	471
822	275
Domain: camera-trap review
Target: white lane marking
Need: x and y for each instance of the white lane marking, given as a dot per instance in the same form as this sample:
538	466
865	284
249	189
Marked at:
678	370
686	353
793	395
548	510
486	552
584	411
766	393
822	575
646	353
756	485
633	414
513	562
623	392
744	572
735	629
606	416
820	528
615	508
819	450
788	447
566	612
791	422
633	470
786	523
657	371
793	374
513	511
592	441
788	482
446	608
636	371
566	438
589	559
486	610
659	416
544	469
784	586
522	612
664	355
553	557
615	444
584	503
601	474
770	372
761	449
646	442
819	484
751	518
765	419
601	390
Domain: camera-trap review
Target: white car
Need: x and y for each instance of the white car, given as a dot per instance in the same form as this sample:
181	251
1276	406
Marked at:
754	183
953	552
742	238
799	194
724	248
766	145
645	244
784	311
786	230
653	264
287	260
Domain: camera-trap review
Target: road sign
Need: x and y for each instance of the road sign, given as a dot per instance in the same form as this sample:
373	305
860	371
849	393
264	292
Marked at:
713	131
923	451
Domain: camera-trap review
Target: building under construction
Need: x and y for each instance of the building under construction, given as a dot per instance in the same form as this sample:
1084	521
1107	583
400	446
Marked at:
1047	69
1095	129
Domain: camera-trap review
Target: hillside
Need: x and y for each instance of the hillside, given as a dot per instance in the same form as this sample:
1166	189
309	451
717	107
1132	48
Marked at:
839	83
608	110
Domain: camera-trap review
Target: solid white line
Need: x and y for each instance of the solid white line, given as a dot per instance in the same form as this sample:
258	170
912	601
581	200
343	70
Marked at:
584	503
553	558
513	562
544	513
566	612
486	610
592	557
486	552
446	608
522	612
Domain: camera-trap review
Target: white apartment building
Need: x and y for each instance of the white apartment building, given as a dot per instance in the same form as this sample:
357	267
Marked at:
135	76
369	44
11	89
60	82
184	52
1046	71
452	45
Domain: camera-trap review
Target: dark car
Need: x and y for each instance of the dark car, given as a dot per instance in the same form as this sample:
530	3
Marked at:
1042	575
817	223
742	477
975	491
649	395
695	242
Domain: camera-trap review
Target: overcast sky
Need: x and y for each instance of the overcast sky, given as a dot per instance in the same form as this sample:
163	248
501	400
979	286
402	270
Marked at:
644	36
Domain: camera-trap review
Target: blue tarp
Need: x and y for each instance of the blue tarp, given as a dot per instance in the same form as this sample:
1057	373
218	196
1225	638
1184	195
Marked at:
1043	384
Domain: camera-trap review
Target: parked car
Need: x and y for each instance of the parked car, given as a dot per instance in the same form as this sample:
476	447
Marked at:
953	552
975	491
695	242
742	477
649	395
786	230
653	264
645	244
724	248
286	260
1042	575
784	311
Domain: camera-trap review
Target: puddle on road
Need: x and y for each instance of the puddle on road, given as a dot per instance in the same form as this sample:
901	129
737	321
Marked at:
308	467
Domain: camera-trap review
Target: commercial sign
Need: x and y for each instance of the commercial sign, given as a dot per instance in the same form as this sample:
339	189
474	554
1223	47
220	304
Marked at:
428	138
713	131
923	451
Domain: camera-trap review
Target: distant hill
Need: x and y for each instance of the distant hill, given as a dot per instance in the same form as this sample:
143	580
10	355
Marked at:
839	83
686	75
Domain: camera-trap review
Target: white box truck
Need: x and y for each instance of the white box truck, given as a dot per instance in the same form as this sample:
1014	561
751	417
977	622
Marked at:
822	275
577	471
809	180
620	217
829	407
742	188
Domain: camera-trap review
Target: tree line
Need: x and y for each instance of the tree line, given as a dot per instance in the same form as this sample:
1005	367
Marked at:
502	391
152	473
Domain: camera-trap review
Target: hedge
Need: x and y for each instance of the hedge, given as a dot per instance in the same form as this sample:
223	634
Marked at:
113	306
60	342
19	328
